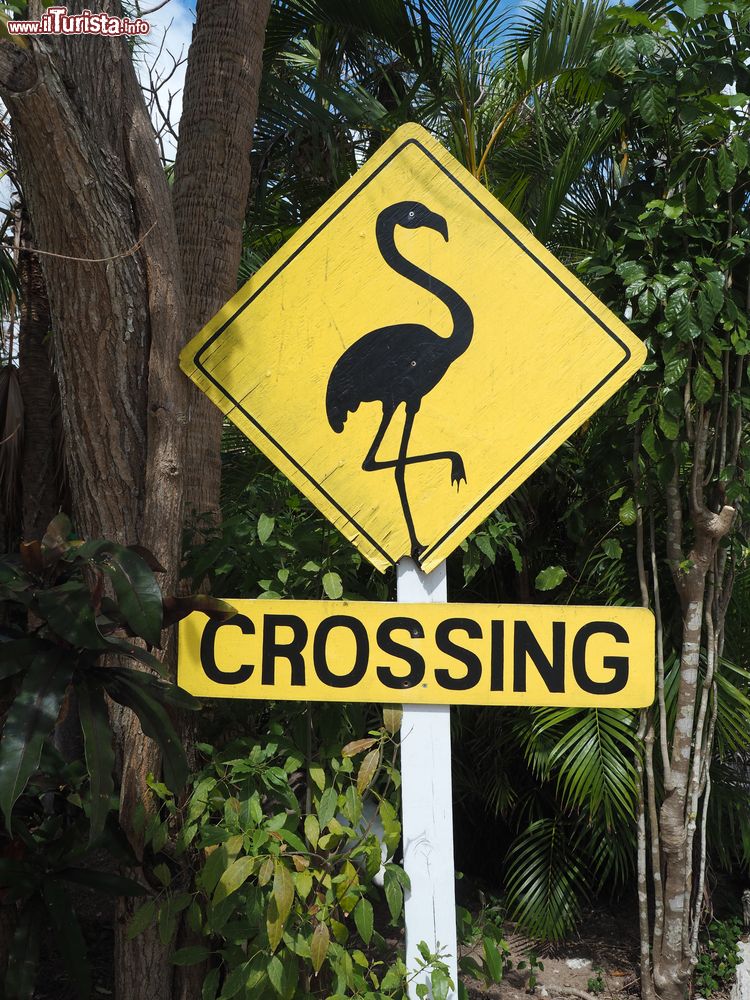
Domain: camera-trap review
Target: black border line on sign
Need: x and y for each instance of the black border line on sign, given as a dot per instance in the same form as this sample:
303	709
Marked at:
279	447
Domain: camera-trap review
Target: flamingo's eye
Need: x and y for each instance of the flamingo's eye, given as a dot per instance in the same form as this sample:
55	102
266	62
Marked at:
411	215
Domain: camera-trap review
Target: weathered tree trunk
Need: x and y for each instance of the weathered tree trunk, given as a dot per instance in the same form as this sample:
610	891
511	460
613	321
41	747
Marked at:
42	477
99	200
103	215
211	185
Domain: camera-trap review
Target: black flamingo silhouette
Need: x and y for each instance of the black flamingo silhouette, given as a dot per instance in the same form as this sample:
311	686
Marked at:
401	363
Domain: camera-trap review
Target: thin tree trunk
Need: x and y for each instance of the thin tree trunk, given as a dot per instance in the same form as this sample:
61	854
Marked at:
211	185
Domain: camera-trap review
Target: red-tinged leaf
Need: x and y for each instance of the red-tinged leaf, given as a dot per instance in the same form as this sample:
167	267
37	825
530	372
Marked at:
367	770
148	557
31	556
392	715
283	890
319	946
357	746
177	608
274	925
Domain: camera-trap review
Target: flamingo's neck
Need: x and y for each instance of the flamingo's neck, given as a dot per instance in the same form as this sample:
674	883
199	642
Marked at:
463	320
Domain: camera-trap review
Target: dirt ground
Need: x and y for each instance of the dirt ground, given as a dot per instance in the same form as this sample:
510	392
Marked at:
604	941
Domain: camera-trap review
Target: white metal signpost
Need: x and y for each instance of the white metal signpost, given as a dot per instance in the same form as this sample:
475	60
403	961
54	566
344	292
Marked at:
408	359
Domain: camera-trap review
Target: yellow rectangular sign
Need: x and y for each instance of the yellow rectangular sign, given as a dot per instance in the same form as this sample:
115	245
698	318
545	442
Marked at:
460	654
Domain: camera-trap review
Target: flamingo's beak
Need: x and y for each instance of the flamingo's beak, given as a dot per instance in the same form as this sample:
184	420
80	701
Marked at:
442	227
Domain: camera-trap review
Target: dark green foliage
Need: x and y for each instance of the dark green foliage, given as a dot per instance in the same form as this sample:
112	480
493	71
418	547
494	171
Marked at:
277	894
718	957
59	619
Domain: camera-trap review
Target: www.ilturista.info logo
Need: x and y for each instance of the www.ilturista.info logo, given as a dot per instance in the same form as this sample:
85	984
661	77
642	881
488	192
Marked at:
57	21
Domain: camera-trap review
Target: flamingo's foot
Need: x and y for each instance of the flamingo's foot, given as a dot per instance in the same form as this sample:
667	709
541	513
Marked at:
458	473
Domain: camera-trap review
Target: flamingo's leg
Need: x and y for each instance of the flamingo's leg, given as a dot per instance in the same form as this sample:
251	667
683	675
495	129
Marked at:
371	464
400	474
458	474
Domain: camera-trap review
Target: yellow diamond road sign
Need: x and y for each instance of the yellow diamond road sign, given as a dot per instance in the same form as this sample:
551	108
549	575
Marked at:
411	355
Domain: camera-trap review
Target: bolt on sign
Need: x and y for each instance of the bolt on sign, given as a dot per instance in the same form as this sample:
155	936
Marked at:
411	355
466	654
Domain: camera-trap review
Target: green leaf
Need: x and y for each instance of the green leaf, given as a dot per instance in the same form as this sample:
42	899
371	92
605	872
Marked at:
265	528
705	310
191	955
69	613
703	384
677	303
99	751
740	151
69	940
515	556
653	104
394	894
233	877
364	919
440	984
648	440
612	548
628	513
550	578
138	594
133	692
30	720
283	973
669	425
283	890
674	370
485	546
319	946
694	8
710	187
492	959
329	801
332	585
647	303
725	169
312	830
141	919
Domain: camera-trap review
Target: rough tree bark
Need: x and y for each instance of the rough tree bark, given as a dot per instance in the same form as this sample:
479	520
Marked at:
220	102
105	227
42	488
703	578
95	191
